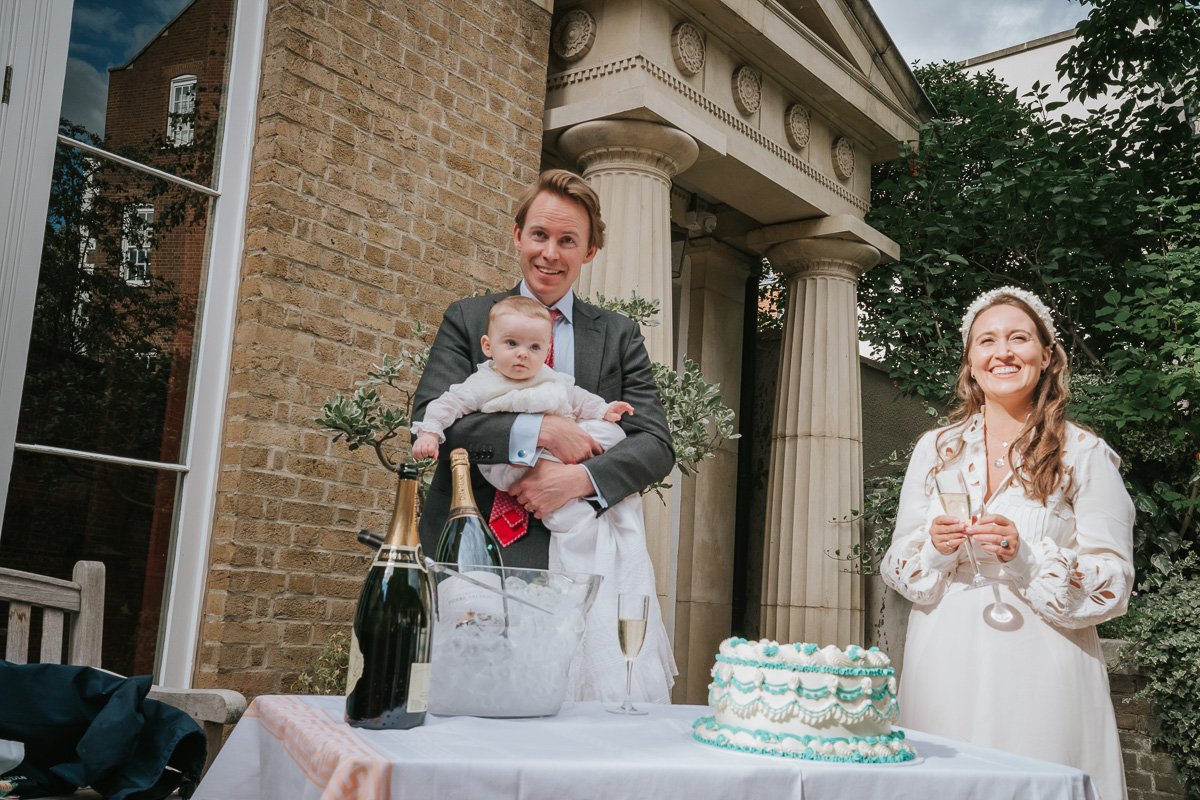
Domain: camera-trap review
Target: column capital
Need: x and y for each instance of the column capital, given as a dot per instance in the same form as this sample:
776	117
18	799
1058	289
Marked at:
835	258
632	144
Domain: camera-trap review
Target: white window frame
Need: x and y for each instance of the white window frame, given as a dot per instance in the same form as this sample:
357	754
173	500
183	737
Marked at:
181	111
33	40
196	508
135	244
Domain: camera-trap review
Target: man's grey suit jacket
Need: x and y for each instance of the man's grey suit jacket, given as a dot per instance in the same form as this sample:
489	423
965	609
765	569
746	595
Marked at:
610	360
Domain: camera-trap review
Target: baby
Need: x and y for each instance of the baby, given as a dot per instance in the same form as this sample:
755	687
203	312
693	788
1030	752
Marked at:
516	379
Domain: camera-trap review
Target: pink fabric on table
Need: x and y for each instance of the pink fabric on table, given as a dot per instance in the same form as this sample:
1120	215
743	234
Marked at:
327	751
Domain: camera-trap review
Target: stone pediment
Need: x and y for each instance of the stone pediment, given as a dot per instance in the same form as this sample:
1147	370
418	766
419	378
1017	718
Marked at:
791	102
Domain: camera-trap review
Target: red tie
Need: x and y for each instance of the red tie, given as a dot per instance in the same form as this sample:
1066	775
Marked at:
508	519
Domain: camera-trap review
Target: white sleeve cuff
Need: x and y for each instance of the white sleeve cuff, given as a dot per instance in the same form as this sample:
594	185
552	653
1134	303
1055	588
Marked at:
522	439
596	497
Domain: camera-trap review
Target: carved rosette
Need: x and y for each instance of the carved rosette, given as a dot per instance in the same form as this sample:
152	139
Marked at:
687	48
843	157
574	35
747	89
797	125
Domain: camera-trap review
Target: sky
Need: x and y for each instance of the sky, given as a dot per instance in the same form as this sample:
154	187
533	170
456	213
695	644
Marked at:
106	33
954	30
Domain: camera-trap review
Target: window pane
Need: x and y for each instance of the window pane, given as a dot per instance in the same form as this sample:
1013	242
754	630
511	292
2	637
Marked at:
119	285
145	79
63	510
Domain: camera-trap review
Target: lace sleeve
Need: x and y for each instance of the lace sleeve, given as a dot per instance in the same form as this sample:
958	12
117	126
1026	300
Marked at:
912	566
1074	587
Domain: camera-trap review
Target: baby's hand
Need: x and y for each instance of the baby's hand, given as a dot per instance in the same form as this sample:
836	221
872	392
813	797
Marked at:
425	446
615	410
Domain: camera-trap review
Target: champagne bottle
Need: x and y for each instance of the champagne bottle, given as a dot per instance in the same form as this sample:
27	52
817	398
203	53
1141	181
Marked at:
468	545
387	684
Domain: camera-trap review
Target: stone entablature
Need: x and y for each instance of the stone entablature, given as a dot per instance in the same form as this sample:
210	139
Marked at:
796	128
651	82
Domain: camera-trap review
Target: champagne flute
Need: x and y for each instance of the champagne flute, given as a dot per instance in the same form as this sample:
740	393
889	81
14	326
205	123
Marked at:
956	501
632	613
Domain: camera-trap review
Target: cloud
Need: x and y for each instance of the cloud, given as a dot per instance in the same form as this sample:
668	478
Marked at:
85	95
94	20
939	30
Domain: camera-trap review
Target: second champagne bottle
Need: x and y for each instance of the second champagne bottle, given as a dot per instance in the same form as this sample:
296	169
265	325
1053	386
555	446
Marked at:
469	546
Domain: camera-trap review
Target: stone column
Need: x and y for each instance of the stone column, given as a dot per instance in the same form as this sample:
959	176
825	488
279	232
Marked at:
630	164
708	501
816	448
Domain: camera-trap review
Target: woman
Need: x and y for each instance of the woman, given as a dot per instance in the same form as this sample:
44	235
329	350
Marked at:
1053	529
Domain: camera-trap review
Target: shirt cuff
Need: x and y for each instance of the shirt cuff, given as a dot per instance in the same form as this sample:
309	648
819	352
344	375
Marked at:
522	439
596	498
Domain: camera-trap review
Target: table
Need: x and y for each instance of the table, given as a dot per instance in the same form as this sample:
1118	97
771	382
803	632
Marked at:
298	748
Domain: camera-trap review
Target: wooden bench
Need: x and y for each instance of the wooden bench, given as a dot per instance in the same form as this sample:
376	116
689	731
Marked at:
72	623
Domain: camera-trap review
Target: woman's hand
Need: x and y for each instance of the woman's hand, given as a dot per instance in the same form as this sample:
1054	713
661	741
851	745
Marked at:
997	535
947	533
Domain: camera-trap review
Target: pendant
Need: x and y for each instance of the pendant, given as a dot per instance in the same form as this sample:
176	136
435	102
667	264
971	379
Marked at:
999	463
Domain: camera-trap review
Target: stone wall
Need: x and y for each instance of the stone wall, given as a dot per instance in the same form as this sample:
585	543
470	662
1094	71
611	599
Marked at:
392	139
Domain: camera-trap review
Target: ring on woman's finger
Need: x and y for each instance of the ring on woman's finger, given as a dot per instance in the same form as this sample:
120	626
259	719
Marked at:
1004	543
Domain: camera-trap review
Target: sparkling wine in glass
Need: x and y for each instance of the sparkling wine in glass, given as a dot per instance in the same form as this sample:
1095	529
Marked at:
632	613
956	501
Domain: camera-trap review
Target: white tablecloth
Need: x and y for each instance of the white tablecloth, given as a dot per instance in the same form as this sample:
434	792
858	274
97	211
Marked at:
298	748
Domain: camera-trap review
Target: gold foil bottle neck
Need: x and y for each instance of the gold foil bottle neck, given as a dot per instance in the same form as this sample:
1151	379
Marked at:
462	496
403	530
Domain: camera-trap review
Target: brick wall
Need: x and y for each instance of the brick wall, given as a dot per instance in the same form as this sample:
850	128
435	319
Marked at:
392	138
1149	772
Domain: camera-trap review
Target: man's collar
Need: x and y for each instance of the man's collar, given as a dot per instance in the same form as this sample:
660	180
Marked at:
566	303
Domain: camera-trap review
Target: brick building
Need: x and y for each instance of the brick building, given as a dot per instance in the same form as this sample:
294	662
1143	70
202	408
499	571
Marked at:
367	158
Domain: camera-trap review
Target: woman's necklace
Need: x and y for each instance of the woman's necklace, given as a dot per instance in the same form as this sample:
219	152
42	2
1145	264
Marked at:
999	461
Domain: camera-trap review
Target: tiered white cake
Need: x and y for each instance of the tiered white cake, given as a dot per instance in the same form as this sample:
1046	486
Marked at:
801	701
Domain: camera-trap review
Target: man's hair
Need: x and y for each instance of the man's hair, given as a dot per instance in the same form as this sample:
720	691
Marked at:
522	306
568	186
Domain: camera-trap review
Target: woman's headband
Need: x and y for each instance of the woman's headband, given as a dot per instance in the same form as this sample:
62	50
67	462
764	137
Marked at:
989	298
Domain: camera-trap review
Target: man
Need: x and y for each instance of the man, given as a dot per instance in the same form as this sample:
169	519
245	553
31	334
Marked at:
558	230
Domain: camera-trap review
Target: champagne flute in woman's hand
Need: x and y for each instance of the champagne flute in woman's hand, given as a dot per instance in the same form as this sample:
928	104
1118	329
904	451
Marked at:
632	613
956	501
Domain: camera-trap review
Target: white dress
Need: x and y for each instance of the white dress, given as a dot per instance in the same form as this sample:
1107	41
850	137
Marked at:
612	544
1037	686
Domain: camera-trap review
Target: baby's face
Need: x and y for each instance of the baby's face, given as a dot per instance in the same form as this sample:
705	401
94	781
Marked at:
517	344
